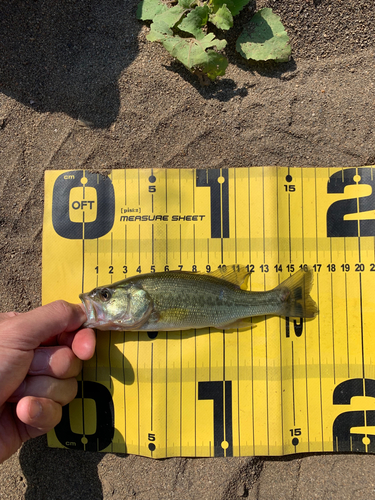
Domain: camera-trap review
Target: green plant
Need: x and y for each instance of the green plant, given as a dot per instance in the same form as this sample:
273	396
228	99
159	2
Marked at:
183	28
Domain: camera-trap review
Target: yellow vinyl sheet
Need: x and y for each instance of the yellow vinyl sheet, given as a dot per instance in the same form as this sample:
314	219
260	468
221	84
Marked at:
282	387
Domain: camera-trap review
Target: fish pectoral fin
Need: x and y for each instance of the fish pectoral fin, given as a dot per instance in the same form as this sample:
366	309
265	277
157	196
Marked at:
235	274
239	324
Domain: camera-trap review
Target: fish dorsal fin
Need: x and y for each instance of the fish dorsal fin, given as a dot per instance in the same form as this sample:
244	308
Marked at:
236	274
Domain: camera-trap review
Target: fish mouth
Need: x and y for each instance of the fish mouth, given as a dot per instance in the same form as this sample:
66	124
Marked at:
90	310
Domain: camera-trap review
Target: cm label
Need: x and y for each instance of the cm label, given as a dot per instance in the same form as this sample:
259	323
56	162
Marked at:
79	191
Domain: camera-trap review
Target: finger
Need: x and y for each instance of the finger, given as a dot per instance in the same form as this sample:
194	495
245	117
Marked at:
27	331
82	342
58	362
60	391
7	315
40	415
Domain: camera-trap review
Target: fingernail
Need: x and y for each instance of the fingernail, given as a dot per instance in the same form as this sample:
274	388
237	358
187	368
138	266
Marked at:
35	409
40	361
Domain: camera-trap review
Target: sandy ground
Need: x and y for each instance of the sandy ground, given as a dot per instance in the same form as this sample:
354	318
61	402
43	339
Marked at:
81	87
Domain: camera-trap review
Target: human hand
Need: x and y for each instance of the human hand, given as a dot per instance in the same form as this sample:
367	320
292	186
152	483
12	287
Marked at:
40	356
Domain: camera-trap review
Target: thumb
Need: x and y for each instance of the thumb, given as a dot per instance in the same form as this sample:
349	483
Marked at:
28	330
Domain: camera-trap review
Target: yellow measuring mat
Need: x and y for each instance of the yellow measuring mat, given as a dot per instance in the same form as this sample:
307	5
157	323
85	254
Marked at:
277	386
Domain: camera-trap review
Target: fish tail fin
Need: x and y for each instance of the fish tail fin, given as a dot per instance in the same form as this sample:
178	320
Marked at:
295	296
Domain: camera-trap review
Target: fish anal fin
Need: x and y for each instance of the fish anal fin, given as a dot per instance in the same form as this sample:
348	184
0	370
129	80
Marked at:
239	324
235	274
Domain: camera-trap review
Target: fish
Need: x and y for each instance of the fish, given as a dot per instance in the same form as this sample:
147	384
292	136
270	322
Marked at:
183	300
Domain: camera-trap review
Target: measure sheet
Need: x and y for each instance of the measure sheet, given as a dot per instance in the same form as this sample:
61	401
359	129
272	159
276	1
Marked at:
284	386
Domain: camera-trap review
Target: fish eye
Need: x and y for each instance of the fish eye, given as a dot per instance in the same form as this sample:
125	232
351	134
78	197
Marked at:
105	294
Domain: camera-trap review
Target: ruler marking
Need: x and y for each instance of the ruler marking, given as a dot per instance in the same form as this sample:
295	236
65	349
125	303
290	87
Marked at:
139	244
361	324
180	392
347	324
83	252
97	262
126	243
209	354
152	385
109	358
318	318
180	247
333	332
83	286
238	394
307	392
252	387
124	373
138	398
277	220
224	401
194	178
179	189
166	390
289	231
281	385
152	245
111	256
195	392
361	293
267	390
293	388
194	243
320	370
166	190
166	244
152	196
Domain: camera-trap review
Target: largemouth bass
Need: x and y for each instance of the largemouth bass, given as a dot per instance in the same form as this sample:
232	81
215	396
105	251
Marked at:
180	300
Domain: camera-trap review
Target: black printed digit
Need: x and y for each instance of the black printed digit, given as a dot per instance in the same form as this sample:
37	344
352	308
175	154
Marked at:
222	407
343	437
104	433
336	225
297	325
217	180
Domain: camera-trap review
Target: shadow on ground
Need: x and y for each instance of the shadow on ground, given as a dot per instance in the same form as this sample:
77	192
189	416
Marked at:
67	56
56	473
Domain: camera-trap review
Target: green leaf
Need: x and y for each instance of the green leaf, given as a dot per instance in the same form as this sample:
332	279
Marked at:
194	22
170	16
214	65
191	52
159	32
222	18
264	38
187	4
234	6
148	9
